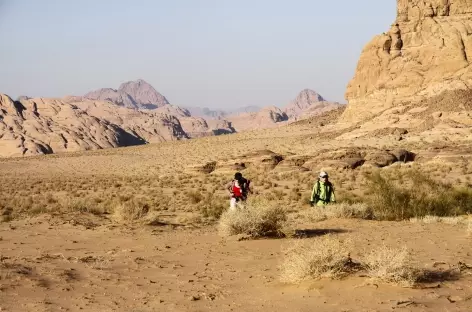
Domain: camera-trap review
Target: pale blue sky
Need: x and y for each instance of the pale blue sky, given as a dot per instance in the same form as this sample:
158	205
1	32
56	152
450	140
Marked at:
214	53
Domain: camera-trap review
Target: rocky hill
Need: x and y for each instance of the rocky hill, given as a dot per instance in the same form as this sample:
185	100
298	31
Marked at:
427	51
267	117
304	100
308	103
141	96
132	94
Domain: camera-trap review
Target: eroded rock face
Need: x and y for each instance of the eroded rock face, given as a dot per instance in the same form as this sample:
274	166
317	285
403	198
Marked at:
152	126
428	50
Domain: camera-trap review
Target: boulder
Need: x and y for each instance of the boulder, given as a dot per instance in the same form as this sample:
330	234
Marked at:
380	158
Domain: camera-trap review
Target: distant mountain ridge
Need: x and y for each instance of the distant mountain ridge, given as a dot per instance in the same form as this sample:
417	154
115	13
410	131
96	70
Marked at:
133	114
142	96
206	112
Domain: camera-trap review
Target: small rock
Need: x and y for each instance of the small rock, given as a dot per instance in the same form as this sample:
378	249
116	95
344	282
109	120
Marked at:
405	303
194	298
211	297
453	299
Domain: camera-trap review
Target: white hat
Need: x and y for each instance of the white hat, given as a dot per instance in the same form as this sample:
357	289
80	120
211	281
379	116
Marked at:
323	174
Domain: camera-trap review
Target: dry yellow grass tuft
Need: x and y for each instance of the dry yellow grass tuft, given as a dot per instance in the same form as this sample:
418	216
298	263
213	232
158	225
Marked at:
257	219
325	257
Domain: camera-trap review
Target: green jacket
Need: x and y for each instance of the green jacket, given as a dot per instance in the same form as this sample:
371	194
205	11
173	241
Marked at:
323	193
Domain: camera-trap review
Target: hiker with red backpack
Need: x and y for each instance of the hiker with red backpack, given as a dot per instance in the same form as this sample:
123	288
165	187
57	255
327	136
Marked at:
323	191
238	188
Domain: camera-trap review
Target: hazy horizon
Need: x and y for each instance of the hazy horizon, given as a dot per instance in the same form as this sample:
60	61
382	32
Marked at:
207	53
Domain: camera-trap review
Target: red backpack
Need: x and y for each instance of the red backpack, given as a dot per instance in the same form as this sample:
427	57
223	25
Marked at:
237	191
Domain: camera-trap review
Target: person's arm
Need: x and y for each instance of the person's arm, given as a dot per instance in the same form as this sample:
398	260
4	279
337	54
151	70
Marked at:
313	193
333	196
229	187
248	184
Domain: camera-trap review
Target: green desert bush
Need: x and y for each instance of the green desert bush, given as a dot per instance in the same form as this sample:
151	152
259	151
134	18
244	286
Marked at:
257	218
418	197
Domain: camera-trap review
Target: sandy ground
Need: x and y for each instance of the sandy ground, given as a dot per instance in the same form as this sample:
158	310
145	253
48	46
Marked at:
48	264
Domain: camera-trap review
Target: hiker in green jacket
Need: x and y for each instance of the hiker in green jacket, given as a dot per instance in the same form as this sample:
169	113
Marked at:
323	191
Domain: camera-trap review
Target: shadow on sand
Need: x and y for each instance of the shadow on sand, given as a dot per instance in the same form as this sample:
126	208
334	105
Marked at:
308	233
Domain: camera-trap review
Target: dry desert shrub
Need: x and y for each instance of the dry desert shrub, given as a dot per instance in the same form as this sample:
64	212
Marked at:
131	210
391	265
213	206
324	257
256	218
194	196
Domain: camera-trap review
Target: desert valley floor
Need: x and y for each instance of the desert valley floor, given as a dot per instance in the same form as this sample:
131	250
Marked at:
136	229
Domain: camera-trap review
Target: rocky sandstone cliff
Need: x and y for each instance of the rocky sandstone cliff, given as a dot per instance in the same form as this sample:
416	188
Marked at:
44	126
428	50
